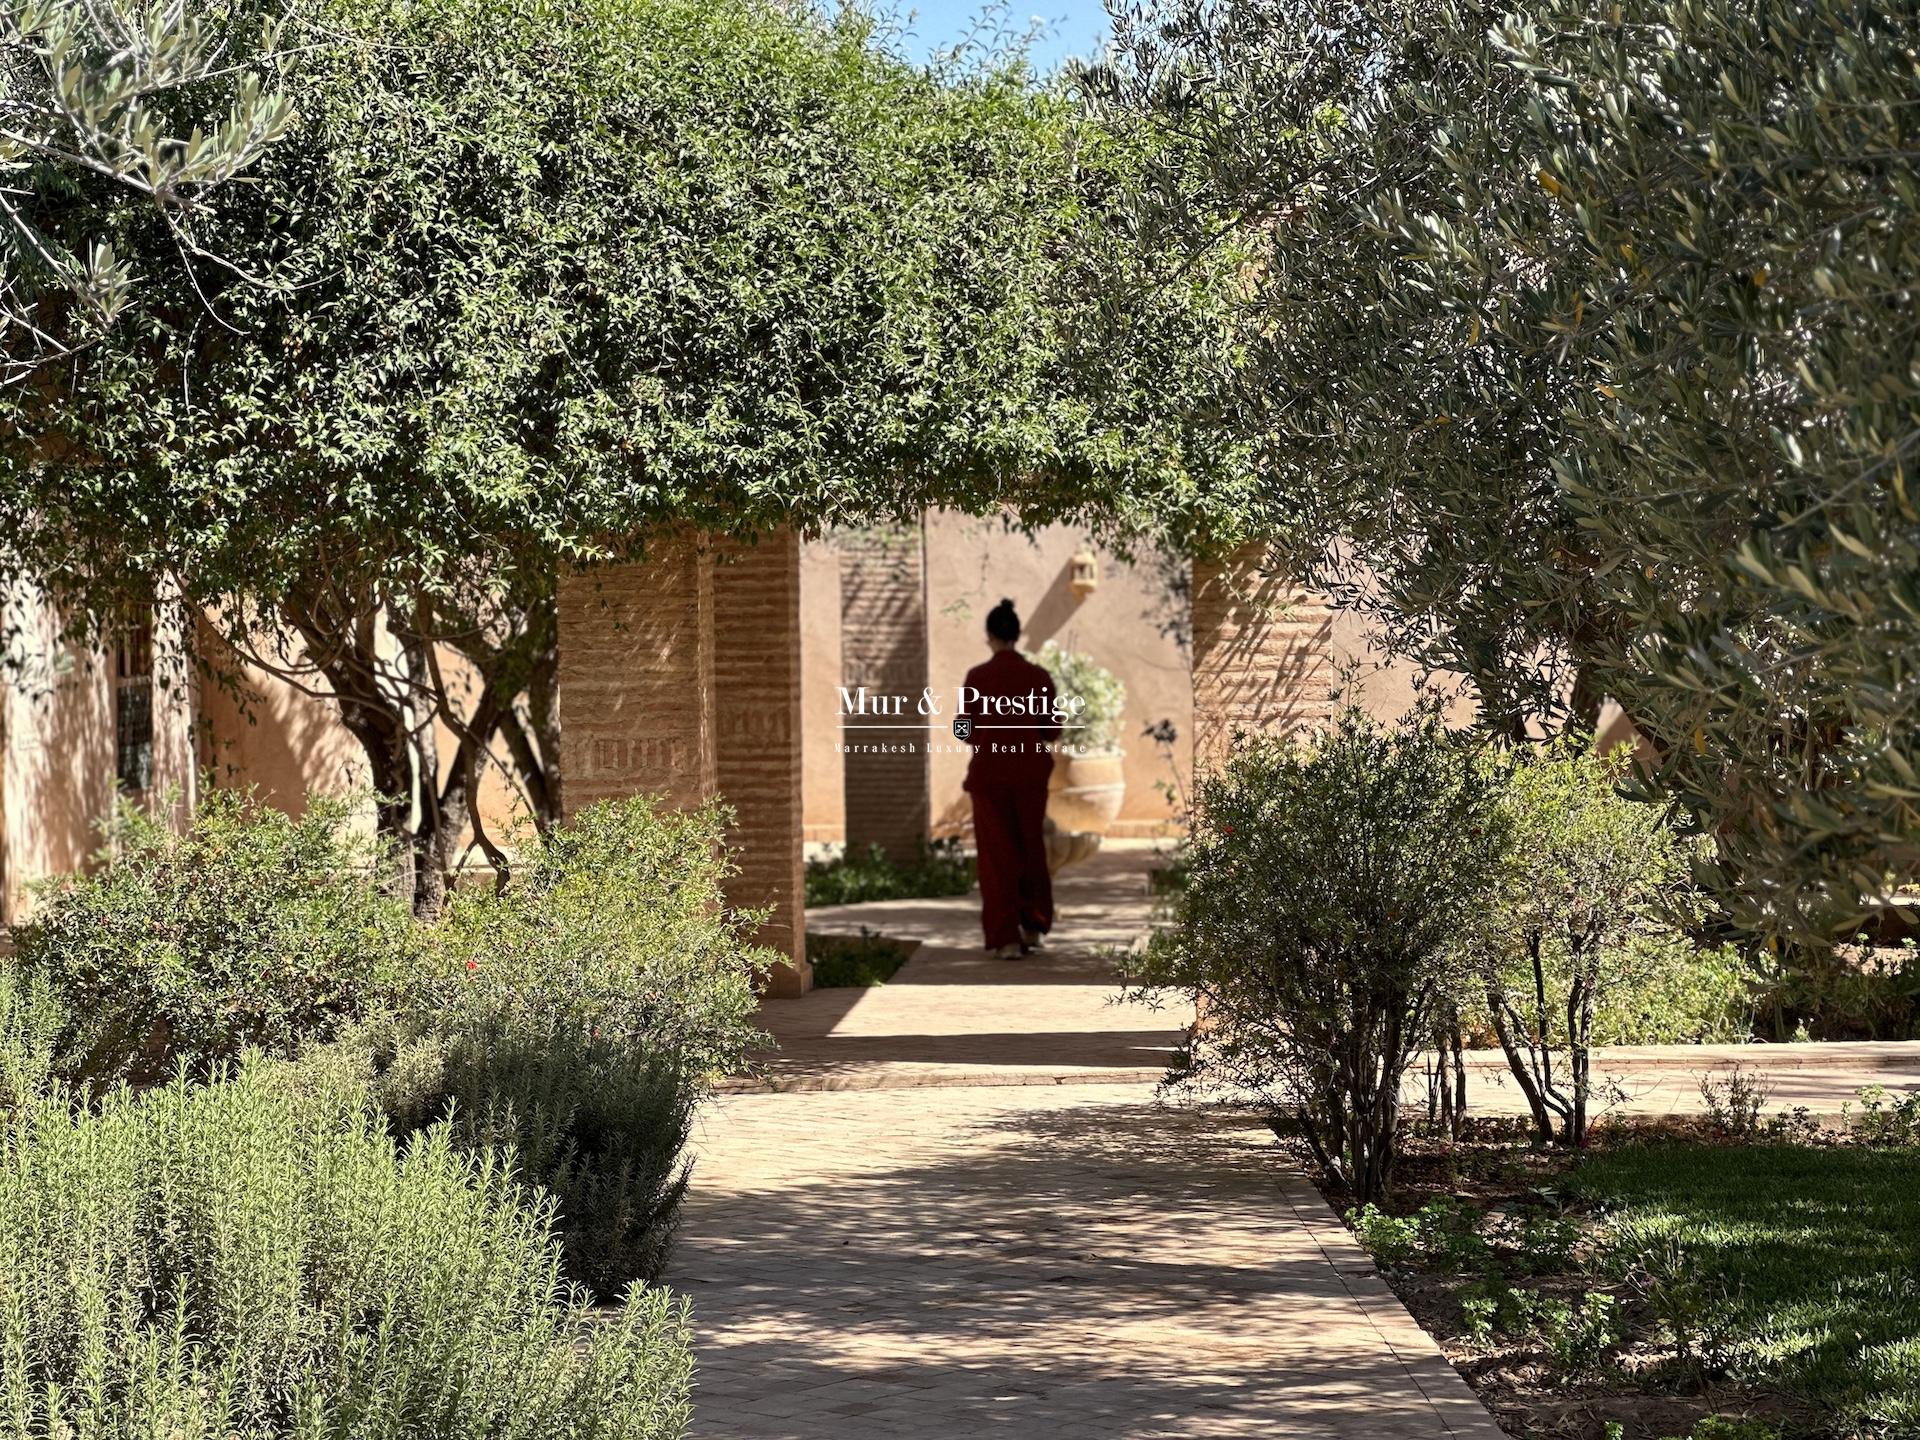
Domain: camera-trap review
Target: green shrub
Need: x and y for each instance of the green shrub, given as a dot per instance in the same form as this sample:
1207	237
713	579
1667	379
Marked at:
616	924
1579	922
1443	1234
942	869
1847	992
226	1259
1666	990
253	928
1328	880
597	1125
1884	1119
855	961
31	1024
1102	697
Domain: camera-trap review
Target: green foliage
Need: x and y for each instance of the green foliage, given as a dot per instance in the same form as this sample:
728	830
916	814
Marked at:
1443	1234
1787	1267
1569	351
616	923
942	869
1667	989
1327	882
214	1260
1733	1102
105	107
1884	1119
597	1125
550	281
1102	697
252	928
1580	916
32	1023
856	961
1848	992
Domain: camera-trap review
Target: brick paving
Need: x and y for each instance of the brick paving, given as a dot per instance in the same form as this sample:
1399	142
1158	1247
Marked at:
1061	1262
962	1211
952	1205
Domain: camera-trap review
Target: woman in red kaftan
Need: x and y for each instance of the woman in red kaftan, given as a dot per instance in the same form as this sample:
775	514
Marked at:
1009	701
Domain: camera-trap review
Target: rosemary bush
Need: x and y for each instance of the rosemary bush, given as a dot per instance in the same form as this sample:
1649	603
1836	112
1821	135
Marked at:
233	1259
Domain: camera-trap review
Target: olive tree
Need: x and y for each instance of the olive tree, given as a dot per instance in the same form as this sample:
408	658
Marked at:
105	103
557	281
1579	347
1328	880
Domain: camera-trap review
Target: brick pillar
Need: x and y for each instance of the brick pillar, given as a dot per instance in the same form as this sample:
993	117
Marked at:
756	675
636	681
883	642
1263	657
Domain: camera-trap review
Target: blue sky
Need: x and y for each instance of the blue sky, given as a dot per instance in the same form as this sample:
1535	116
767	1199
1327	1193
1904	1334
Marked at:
1072	27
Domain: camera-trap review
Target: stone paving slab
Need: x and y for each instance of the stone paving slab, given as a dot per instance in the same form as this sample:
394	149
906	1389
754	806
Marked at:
1067	1262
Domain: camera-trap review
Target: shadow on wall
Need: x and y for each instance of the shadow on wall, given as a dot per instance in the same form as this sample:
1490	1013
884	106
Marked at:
57	766
271	736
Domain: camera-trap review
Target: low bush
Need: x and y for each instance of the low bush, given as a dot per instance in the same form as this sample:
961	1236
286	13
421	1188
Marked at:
251	929
1328	882
32	1023
616	924
1884	1118
1668	990
595	1124
228	1259
855	961
941	870
1848	992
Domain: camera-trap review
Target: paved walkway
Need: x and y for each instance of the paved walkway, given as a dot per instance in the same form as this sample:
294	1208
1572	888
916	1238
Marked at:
951	1205
961	1211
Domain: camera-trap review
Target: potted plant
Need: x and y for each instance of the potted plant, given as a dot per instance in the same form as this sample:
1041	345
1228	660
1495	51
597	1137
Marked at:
1089	779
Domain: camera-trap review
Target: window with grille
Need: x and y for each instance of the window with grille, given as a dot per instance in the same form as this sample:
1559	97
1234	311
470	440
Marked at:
133	707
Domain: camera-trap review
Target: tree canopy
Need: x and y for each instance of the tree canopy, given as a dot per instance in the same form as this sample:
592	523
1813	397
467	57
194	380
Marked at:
107	104
547	279
1580	346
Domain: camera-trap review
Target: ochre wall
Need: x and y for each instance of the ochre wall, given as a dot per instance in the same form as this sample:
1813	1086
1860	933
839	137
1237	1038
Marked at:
56	756
823	769
1132	624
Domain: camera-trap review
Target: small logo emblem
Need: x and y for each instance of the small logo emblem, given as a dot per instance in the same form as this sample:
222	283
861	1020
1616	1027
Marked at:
963	727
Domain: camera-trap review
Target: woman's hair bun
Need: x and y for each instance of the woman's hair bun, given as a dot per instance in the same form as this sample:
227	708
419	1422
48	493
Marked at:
1002	623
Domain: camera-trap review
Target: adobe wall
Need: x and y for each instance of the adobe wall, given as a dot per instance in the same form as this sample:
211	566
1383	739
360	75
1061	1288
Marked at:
823	768
680	677
56	756
1132	624
1269	655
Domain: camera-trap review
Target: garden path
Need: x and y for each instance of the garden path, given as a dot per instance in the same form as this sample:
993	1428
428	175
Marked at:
952	1205
961	1211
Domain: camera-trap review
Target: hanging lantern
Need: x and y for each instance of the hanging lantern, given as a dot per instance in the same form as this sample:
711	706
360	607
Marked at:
1084	574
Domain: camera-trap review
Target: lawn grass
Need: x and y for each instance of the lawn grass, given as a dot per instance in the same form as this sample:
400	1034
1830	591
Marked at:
1804	1261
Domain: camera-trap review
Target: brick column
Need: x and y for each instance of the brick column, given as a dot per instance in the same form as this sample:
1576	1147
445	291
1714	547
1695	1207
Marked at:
757	704
1263	657
636	681
883	642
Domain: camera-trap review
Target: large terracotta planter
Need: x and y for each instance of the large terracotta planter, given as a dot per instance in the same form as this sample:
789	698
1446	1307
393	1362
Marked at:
1086	791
